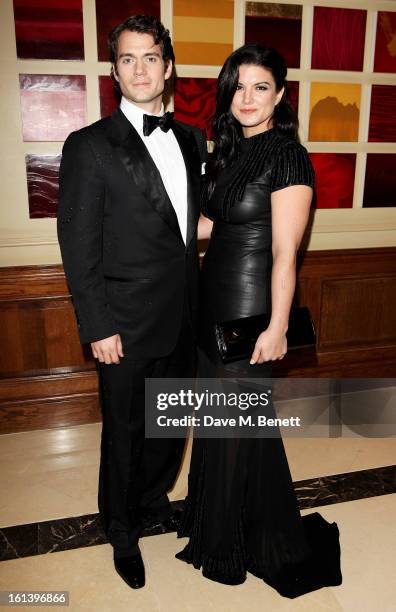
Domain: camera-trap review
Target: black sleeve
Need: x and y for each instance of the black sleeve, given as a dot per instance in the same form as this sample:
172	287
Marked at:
80	227
202	145
203	153
292	167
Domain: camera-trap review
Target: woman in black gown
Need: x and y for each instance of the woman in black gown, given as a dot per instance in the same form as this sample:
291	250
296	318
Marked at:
241	514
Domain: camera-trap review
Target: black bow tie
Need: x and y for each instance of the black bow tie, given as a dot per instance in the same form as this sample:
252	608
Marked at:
150	122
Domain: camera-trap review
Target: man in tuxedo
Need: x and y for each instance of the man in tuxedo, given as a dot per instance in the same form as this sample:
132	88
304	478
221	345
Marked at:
127	220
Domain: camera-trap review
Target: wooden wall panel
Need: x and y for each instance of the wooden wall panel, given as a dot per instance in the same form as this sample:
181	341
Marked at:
39	334
48	380
11	353
368	314
38	331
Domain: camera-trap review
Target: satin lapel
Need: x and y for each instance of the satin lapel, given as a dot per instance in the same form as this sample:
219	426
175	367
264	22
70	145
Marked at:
189	149
142	170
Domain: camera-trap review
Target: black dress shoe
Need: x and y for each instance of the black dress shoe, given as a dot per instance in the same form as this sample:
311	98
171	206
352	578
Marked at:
131	570
173	521
154	526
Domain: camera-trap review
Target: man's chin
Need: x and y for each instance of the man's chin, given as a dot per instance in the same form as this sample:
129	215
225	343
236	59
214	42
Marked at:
143	98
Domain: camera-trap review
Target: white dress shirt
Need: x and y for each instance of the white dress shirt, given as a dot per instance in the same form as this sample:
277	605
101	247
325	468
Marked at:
165	152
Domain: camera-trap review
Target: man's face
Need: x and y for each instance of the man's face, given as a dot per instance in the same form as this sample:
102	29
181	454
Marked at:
140	70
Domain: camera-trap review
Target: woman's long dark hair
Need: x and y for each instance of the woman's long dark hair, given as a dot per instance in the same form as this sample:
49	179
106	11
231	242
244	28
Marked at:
227	130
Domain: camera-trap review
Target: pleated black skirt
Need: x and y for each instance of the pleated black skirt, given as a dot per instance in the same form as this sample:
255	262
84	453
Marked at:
241	513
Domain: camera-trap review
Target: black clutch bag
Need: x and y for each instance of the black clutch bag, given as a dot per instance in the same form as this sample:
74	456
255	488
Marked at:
236	339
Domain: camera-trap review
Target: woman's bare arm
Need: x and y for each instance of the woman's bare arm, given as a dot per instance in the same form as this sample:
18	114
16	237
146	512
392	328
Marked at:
290	212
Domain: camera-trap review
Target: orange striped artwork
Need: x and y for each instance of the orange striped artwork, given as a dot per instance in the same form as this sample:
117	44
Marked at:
335	109
203	31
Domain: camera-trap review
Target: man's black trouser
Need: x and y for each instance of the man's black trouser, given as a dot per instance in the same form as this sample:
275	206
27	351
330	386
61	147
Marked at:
136	472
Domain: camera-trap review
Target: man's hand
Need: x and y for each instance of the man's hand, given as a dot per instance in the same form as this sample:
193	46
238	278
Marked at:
108	350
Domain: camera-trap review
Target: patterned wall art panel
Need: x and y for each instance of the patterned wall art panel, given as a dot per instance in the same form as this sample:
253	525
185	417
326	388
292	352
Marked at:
275	25
49	29
338	38
334	112
109	96
380	180
42	180
203	31
195	101
335	177
385	44
382	127
52	106
110	13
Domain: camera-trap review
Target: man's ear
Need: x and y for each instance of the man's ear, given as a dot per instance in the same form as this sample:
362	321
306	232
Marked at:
168	70
114	72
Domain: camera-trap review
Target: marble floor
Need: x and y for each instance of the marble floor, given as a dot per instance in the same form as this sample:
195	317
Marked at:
48	478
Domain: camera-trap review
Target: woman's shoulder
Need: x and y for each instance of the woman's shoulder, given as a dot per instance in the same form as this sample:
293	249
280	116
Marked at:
278	145
287	143
292	164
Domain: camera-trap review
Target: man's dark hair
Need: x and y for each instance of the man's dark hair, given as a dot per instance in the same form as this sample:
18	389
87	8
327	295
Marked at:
144	24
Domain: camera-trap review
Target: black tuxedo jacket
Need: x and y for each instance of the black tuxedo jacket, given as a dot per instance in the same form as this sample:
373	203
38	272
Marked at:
126	263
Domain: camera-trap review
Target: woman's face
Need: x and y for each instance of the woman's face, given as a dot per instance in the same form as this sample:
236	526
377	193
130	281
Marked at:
255	99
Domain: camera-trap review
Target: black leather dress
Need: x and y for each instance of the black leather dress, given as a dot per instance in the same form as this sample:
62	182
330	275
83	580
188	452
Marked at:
236	272
241	513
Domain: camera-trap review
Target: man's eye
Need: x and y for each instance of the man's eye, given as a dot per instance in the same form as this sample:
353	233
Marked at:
151	59
126	60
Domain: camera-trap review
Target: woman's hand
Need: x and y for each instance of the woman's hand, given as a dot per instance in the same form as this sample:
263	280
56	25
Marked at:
205	226
269	346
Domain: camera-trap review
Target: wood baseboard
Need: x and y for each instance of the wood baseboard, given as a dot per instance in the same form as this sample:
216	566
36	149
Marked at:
46	401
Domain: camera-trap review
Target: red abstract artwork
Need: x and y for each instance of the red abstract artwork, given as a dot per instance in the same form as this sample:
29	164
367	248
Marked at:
49	29
335	177
382	127
109	96
385	44
380	182
42	179
338	38
52	106
275	25
195	101
110	13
